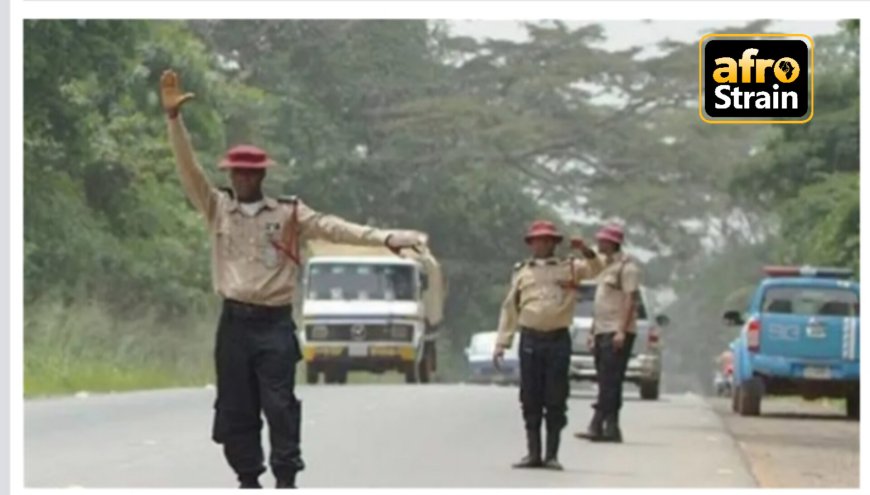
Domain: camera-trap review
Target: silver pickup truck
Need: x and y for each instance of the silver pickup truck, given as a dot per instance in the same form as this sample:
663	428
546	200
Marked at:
644	366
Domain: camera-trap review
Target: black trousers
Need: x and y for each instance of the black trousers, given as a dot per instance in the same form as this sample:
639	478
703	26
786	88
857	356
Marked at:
544	361
611	364
255	355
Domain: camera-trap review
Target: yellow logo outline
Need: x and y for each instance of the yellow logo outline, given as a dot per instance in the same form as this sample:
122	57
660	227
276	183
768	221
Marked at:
751	35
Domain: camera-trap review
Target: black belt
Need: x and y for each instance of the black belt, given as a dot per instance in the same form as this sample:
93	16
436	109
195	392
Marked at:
247	309
558	333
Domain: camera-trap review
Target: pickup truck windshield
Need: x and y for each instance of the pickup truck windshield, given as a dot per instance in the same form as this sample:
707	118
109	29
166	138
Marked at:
585	304
810	301
356	281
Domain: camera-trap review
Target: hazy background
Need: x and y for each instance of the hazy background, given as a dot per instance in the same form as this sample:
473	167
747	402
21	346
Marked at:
466	130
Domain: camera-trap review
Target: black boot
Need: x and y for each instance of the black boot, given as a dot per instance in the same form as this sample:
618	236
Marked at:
551	460
595	429
611	431
288	481
249	482
533	458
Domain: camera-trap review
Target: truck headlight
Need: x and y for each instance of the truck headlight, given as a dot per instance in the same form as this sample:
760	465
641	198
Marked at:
400	332
320	332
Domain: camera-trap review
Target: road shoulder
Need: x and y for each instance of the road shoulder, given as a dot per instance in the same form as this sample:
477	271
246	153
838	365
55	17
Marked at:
796	444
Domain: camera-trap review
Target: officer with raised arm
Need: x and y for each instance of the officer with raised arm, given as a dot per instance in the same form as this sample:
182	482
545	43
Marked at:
255	261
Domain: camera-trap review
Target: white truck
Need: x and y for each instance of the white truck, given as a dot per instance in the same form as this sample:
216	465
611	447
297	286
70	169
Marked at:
367	309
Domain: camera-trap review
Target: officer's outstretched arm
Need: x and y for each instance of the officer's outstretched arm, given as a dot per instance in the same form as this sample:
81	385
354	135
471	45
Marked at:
316	225
194	181
587	268
196	185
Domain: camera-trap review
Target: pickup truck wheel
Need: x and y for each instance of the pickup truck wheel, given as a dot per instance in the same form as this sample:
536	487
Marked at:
749	399
853	405
312	376
649	390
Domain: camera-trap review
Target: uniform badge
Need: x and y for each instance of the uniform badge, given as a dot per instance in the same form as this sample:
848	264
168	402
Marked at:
270	253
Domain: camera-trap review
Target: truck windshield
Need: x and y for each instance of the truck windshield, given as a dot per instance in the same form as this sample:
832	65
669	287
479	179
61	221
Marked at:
358	281
586	303
809	301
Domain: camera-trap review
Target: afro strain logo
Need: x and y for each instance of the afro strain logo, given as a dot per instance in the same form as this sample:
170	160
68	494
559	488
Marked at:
755	78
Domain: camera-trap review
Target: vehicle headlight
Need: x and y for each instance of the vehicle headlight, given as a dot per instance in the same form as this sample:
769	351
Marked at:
320	332
400	332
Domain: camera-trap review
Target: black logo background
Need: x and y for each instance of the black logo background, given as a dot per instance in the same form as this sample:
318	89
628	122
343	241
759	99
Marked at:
773	49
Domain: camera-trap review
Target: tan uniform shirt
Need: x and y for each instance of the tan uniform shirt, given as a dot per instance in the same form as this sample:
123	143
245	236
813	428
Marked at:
613	291
536	298
246	265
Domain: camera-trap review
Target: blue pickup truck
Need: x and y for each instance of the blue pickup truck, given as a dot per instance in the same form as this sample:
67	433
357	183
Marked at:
799	337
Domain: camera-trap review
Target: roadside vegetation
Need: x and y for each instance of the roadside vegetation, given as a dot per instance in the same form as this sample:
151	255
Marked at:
403	123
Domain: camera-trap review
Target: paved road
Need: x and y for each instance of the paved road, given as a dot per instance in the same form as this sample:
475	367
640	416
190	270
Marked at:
797	444
376	436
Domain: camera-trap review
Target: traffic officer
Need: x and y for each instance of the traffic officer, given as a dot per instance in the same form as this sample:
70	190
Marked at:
541	302
255	262
613	331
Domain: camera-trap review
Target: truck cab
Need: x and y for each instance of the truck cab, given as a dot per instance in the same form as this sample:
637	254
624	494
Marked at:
367	310
799	336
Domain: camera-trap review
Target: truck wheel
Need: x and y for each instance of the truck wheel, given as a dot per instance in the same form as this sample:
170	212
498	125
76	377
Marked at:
749	400
311	375
424	369
735	399
338	376
853	405
411	374
649	390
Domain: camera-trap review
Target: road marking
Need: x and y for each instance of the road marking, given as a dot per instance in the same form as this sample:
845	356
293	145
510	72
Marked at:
82	395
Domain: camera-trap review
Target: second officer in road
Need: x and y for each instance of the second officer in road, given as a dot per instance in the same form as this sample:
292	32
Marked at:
540	302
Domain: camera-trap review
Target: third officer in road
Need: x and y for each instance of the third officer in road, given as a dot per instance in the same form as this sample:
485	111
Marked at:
541	302
613	332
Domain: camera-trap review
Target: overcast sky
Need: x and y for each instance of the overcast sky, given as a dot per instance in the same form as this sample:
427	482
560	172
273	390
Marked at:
625	34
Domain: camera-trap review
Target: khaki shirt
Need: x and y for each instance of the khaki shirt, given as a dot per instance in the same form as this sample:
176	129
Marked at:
610	297
536	298
246	265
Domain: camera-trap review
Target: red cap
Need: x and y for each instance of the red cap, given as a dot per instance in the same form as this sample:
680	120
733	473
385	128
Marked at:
245	156
612	233
543	228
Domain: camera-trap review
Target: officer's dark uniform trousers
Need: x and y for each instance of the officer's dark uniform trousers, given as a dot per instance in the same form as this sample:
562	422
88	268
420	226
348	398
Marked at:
544	361
611	365
256	355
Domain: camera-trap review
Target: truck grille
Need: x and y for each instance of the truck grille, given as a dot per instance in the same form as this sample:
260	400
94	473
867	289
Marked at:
359	333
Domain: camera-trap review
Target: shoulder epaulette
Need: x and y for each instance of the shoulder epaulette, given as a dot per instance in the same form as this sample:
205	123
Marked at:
228	191
519	265
290	199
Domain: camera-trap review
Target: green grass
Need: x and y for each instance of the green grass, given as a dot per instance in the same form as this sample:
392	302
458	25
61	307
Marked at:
82	347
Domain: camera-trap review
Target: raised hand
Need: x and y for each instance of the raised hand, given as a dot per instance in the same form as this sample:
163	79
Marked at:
171	95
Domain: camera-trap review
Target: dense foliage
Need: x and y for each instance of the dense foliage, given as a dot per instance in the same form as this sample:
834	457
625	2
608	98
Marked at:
401	123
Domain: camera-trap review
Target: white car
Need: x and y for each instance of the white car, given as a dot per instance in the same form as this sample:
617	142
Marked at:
644	366
479	354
